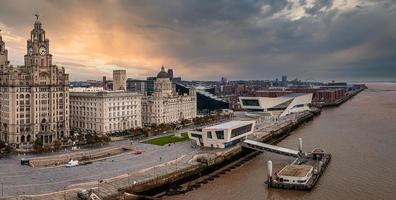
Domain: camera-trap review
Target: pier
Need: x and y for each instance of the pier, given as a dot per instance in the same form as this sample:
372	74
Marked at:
258	146
302	174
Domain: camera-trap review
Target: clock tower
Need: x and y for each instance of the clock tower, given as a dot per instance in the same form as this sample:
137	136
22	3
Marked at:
38	48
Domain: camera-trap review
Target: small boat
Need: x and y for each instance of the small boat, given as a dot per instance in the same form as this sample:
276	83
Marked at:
72	163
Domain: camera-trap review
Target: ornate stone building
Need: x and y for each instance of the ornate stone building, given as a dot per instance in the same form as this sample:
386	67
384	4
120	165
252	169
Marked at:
34	97
94	110
165	105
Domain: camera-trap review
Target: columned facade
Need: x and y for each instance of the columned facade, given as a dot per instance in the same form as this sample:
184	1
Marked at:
93	110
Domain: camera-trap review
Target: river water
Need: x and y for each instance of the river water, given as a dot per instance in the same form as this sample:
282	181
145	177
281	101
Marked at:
361	136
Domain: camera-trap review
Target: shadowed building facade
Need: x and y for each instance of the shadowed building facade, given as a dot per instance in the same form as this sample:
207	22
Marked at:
34	97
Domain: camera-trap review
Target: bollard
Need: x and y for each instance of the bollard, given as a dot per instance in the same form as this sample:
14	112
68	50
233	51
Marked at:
269	172
299	144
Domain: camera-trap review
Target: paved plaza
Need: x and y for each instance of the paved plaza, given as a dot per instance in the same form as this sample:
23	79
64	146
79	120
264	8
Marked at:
18	179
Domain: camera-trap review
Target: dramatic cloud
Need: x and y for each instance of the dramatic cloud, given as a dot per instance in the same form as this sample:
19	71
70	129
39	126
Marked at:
206	39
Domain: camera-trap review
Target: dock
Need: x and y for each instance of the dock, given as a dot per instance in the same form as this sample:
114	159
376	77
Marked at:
302	174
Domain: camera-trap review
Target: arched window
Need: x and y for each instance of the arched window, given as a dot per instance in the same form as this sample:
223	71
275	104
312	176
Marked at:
22	138
21	96
28	138
42	125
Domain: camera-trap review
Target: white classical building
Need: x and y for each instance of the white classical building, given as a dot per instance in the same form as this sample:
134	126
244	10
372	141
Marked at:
34	97
277	106
165	105
94	110
222	135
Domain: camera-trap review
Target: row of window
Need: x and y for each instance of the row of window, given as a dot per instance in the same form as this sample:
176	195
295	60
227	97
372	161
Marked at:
219	135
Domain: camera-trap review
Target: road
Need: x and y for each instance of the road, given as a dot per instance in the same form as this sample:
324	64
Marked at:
19	180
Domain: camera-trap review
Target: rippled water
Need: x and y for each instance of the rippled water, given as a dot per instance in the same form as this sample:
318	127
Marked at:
360	134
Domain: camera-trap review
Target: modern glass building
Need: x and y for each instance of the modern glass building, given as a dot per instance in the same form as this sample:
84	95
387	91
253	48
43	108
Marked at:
206	101
222	135
150	85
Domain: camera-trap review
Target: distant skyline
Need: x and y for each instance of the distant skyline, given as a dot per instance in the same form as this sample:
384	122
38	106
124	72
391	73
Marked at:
205	39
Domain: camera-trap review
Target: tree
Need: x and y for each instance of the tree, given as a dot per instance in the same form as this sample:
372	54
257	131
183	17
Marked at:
38	145
104	139
4	148
146	132
57	144
91	139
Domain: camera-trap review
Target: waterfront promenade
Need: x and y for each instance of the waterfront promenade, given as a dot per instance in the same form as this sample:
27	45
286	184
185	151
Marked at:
109	174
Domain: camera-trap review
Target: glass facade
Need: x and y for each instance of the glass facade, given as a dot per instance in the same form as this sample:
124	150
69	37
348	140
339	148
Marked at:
241	130
250	102
196	135
220	135
209	135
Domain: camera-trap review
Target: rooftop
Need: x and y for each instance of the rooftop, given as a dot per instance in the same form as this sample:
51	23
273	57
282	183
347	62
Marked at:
295	170
231	124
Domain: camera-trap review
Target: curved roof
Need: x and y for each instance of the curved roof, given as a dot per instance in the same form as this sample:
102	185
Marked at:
162	73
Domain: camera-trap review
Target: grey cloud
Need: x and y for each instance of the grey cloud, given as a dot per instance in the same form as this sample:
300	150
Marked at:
238	35
319	4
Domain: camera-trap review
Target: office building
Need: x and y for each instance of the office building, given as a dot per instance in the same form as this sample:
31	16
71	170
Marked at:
94	110
34	98
222	135
119	80
164	105
150	85
134	85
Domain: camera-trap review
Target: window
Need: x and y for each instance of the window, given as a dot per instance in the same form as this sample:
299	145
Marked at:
250	102
220	135
209	134
241	130
196	135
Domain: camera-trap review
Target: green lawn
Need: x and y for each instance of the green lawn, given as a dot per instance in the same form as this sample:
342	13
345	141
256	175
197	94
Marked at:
167	139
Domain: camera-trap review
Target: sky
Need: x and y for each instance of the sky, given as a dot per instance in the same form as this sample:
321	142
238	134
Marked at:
352	40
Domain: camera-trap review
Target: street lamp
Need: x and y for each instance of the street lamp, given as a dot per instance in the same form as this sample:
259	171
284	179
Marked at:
64	190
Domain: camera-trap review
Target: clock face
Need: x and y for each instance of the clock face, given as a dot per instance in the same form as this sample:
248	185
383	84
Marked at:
30	51
42	51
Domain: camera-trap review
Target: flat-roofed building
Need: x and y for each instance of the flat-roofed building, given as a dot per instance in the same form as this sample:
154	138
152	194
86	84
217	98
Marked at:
119	80
222	135
94	110
135	85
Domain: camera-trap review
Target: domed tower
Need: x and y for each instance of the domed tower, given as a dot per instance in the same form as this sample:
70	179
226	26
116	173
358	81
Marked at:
163	83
